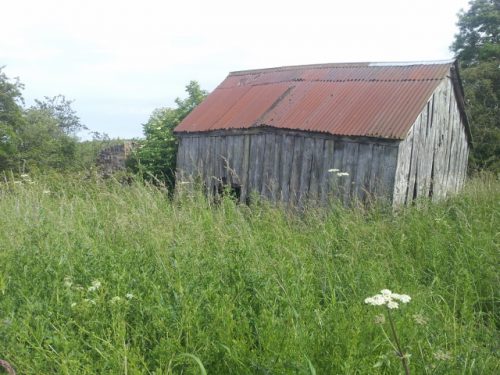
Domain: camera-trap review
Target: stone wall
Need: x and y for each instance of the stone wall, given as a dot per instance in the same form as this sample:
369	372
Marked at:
113	158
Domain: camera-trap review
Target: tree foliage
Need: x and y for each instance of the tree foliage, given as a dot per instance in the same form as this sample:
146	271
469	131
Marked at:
477	46
59	108
156	156
42	136
11	118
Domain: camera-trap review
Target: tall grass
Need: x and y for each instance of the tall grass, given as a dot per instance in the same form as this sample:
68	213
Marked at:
188	287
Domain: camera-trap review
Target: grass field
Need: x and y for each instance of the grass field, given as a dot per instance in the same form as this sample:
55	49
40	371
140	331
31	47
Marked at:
100	278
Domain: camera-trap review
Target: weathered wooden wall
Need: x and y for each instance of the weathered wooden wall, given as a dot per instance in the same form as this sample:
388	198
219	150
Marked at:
289	166
432	160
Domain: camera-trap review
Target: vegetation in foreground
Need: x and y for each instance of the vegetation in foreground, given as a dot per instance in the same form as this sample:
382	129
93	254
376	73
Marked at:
96	277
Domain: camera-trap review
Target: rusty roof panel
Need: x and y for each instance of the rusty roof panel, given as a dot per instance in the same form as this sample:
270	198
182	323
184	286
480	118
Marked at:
361	99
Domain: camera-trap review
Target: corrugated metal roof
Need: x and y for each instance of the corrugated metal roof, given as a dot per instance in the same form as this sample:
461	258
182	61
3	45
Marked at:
355	99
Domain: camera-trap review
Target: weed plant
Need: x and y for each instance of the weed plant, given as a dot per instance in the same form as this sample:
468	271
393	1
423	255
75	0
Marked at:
97	277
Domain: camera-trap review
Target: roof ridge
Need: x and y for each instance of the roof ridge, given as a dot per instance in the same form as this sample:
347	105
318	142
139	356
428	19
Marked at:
341	65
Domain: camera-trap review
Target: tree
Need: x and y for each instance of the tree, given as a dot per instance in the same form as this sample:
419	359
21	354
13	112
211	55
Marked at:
156	156
43	144
42	136
11	119
477	46
60	109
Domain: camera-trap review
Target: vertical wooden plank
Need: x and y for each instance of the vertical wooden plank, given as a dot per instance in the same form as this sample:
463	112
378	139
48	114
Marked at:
199	159
305	170
217	161
400	182
449	138
362	174
388	170
429	151
376	182
278	150
286	166
452	156
296	166
225	155
228	156
463	159
423	165
185	156
193	157
412	176
210	163
180	157
268	180
326	177
256	162
316	169
350	160
338	165
238	150
440	143
244	175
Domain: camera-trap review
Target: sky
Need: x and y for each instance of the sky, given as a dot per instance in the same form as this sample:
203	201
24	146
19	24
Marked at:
118	60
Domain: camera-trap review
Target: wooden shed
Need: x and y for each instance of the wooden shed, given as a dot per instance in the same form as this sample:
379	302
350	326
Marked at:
355	130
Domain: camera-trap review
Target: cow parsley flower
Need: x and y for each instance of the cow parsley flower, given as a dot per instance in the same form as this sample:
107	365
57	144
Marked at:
388	298
392	305
116	299
129	295
96	284
333	170
340	174
68	282
391	301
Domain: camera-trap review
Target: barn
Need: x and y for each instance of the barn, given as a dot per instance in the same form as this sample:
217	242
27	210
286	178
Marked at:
352	131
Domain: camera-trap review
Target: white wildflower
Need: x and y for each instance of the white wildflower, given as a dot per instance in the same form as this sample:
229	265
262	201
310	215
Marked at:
333	170
68	282
96	284
341	174
420	319
46	192
441	355
73	305
129	295
116	300
401	297
376	300
24	175
387	298
392	305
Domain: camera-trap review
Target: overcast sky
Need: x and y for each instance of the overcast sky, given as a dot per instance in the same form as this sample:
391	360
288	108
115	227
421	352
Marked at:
119	59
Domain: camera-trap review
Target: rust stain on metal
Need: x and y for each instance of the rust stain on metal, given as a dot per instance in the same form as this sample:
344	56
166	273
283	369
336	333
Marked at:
354	99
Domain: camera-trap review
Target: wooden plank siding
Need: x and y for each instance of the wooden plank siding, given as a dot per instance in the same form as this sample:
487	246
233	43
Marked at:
289	166
432	160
